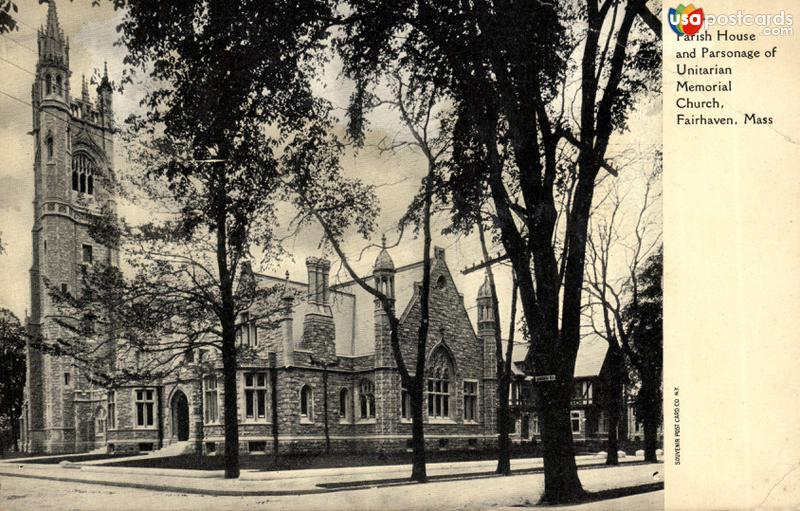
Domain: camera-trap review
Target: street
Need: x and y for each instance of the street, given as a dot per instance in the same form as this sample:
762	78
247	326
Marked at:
19	494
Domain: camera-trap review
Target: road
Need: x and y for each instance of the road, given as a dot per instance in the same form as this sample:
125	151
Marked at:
475	494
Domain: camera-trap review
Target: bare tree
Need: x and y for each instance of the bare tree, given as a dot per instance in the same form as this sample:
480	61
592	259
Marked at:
336	202
616	248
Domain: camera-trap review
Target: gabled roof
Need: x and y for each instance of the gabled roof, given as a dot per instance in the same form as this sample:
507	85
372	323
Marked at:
589	362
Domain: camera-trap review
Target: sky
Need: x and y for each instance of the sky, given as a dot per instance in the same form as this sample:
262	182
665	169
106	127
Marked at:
92	33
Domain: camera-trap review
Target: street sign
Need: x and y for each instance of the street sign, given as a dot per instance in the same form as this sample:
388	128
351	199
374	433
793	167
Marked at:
545	377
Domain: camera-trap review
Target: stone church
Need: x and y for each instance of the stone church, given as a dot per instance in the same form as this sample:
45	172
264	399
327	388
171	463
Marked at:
329	368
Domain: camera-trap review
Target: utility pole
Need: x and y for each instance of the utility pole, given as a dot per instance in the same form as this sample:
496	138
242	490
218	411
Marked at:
499	258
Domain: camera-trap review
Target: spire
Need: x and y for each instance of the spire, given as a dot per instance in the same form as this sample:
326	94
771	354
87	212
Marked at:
485	290
105	83
384	261
53	46
53	28
84	89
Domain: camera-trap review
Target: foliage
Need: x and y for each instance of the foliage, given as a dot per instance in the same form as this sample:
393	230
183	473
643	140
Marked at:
644	318
12	370
522	156
7	21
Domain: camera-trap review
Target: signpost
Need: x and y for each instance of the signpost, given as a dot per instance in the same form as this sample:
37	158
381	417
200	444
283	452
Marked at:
544	377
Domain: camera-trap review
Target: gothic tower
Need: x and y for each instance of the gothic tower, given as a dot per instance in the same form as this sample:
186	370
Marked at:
486	324
383	272
386	377
73	176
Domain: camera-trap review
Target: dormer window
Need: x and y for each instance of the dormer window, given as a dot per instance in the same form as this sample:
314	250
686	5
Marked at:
83	174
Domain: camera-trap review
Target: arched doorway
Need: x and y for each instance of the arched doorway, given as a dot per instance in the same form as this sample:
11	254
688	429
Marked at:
180	416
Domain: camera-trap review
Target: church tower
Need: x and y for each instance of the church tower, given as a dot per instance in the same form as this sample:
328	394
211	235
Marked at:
73	176
486	324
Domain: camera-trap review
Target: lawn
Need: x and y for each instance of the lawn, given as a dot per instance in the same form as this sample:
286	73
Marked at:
37	458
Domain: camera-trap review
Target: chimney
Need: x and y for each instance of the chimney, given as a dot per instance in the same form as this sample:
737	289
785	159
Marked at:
319	333
438	253
318	274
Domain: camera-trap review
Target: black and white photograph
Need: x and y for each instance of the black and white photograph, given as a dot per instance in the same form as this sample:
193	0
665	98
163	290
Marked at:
331	254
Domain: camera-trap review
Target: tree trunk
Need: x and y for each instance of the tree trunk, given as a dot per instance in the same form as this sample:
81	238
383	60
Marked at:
418	469
503	419
561	483
650	440
231	418
650	408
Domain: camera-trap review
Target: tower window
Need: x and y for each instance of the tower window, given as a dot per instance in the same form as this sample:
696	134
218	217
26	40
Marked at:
48	84
67	379
48	142
58	84
83	174
88	256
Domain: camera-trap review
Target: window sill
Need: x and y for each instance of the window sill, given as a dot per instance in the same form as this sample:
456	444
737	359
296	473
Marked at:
146	428
473	422
441	421
306	420
345	421
366	421
406	421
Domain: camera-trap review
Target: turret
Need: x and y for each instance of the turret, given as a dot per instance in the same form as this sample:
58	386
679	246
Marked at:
104	99
485	309
383	271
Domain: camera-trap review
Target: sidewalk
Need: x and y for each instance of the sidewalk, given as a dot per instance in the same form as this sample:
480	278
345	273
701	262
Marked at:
275	483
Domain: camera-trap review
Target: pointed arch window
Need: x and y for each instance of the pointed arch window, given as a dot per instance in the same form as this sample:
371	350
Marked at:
58	85
440	373
48	142
83	173
48	84
366	397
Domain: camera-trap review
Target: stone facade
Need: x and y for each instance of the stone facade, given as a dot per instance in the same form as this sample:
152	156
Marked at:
330	362
73	176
